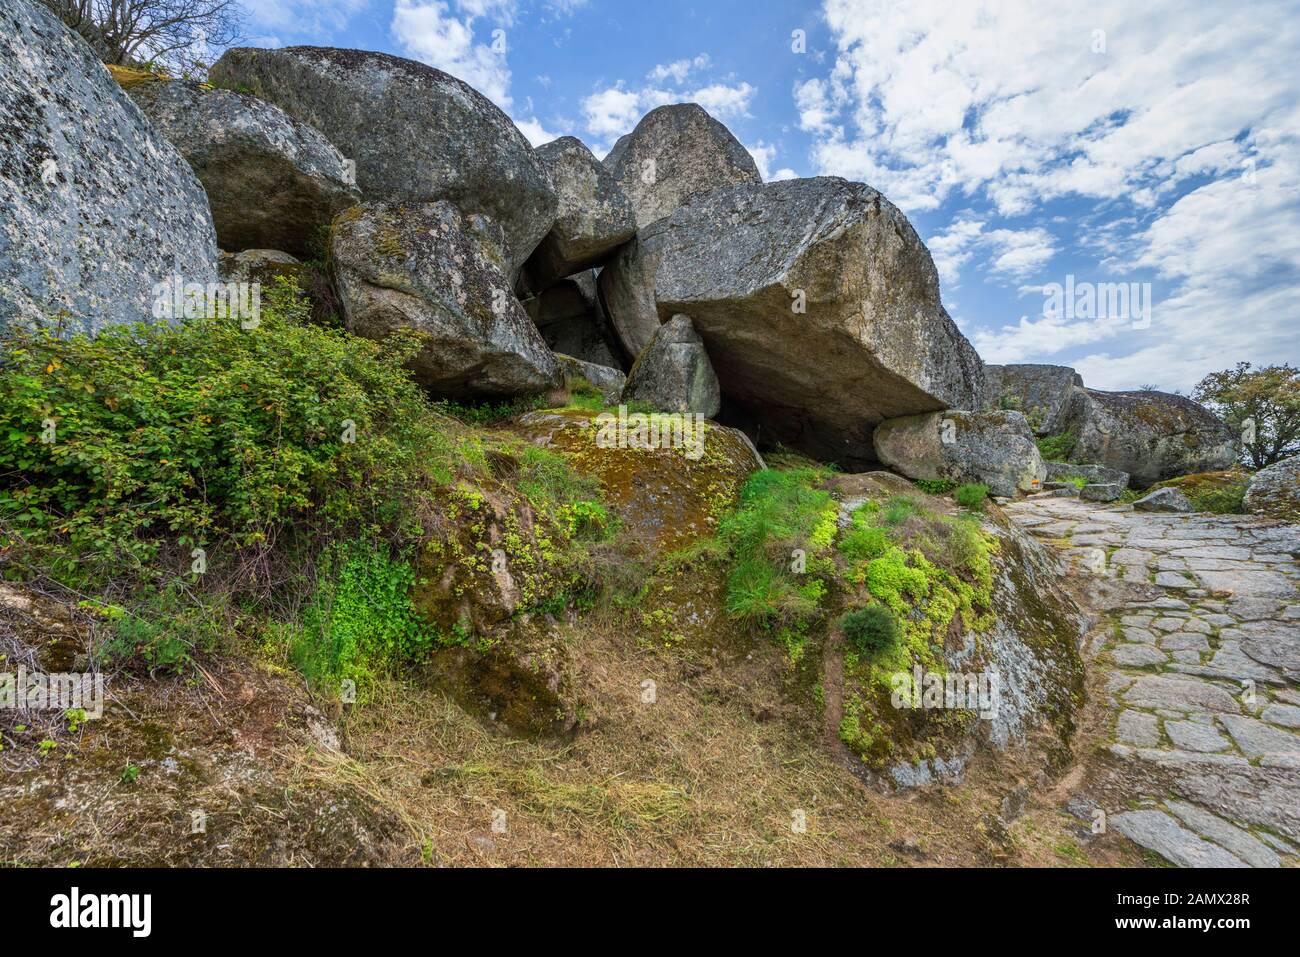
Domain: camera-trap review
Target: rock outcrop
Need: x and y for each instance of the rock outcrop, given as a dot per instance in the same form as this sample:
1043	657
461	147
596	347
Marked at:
1151	435
674	153
1041	392
272	181
673	373
1163	500
96	207
1275	491
609	381
996	448
669	491
430	268
1060	471
818	304
573	321
594	217
414	132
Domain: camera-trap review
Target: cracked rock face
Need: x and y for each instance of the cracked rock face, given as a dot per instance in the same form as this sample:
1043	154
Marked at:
415	133
96	207
674	153
272	181
1151	435
818	304
594	219
428	267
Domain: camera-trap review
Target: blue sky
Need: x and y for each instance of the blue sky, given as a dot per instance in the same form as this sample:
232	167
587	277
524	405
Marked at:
1111	141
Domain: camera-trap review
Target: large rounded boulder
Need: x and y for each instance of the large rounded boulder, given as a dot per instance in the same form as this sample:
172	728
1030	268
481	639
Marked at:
1042	392
429	268
674	153
594	218
995	448
818	304
1151	435
273	182
414	132
96	207
1275	491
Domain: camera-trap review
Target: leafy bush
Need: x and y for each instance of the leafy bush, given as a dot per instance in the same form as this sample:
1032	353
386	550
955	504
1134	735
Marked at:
1219	493
154	436
870	629
971	495
935	486
360	618
1057	448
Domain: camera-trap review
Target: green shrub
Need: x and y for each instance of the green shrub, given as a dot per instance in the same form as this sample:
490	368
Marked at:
935	486
871	629
1057	448
898	510
205	432
971	495
863	541
360	617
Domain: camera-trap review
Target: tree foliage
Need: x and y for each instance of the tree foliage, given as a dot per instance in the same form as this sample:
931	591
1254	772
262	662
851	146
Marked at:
174	33
1268	397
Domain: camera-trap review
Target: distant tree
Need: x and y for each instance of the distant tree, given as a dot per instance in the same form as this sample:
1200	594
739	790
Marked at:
1265	401
173	33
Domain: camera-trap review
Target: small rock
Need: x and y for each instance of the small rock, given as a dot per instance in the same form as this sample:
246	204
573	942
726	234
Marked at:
1164	500
1137	728
1157	831
1195	736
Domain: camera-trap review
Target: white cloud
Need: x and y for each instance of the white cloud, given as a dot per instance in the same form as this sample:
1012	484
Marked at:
1010	97
678	70
611	113
427	31
764	154
1016	253
535	133
725	101
615	110
1176	143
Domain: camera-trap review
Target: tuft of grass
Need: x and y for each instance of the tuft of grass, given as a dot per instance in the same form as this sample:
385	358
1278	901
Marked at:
972	495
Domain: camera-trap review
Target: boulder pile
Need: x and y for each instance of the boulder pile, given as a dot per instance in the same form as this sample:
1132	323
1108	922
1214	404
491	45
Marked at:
806	311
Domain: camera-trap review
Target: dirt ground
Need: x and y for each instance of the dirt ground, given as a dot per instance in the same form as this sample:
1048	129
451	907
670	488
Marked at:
241	766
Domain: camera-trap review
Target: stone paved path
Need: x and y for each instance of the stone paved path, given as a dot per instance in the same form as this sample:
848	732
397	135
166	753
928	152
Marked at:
1199	633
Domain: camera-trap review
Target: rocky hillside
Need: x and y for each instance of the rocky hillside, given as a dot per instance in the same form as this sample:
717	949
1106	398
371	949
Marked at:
420	496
